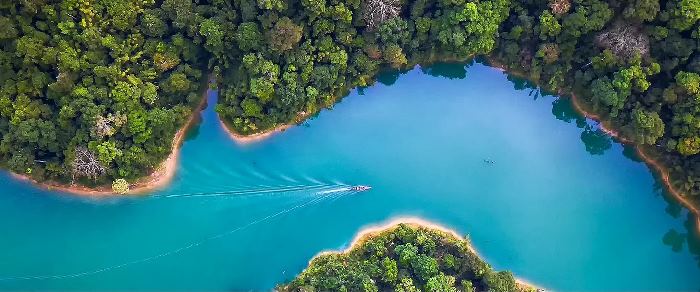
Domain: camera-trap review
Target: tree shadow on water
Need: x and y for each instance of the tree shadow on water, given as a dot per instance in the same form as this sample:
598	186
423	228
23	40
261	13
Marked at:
389	76
595	140
677	241
447	70
674	239
563	110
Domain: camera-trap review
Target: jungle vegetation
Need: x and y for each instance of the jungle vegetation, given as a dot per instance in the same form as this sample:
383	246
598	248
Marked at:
94	90
404	258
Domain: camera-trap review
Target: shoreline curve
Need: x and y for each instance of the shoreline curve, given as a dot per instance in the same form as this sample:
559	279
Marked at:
368	231
160	177
252	138
652	163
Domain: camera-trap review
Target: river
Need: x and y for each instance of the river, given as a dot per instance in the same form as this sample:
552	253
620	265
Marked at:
539	190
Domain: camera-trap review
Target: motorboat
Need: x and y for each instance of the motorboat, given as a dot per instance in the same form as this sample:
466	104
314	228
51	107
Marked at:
360	188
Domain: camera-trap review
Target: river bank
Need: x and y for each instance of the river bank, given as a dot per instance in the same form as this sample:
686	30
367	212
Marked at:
368	232
246	139
160	177
654	164
607	128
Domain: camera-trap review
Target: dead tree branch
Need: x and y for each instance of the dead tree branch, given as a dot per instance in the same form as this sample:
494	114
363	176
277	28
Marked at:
85	164
624	41
377	12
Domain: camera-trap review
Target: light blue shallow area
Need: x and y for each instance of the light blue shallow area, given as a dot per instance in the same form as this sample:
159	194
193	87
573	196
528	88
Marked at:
563	206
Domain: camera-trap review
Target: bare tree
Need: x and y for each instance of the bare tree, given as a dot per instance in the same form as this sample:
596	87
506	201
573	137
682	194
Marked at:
86	164
377	12
559	7
624	41
107	126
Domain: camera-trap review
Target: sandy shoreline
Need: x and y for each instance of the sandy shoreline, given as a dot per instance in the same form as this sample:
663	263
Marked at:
161	176
246	139
252	138
369	231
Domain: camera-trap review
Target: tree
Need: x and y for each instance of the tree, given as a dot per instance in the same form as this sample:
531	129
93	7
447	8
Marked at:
625	41
152	25
499	281
391	271
9	31
376	12
106	151
248	36
549	25
106	126
689	82
277	5
314	7
642	10
604	93
406	285
425	267
251	108
689	146
441	283
549	52
560	7
394	55
120	186
683	13
178	82
86	164
181	12
213	31
285	35
648	126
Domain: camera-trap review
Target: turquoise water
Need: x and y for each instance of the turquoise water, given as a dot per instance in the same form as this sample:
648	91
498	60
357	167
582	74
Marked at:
563	205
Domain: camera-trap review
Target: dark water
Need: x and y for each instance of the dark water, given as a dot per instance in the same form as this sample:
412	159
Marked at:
563	205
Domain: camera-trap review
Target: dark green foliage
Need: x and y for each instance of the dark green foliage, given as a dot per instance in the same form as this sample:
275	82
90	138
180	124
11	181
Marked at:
109	76
644	79
68	65
312	52
404	258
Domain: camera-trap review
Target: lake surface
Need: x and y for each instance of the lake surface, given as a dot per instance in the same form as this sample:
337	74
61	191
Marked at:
563	205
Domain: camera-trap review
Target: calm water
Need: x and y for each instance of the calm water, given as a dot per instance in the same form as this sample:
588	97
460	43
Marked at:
562	206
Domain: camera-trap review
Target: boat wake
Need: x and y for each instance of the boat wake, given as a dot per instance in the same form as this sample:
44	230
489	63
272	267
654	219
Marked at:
248	192
330	196
338	190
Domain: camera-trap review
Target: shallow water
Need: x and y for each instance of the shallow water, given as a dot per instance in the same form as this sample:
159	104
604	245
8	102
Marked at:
562	205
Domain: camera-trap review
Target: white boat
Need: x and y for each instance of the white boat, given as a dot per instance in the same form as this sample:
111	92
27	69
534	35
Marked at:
360	188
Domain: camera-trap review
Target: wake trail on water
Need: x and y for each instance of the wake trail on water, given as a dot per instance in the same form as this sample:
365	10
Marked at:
248	192
337	190
316	200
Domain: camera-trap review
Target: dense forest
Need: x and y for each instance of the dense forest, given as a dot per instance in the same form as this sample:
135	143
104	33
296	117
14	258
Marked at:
94	90
404	258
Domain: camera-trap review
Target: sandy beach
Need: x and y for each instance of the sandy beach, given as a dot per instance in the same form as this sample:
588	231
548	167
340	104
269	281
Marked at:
247	139
160	177
372	230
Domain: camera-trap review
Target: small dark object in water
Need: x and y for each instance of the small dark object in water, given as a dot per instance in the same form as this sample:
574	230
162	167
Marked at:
489	161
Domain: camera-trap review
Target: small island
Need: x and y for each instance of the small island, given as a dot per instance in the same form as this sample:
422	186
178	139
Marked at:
405	255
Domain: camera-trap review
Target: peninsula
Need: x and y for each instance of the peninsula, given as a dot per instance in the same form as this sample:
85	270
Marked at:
407	254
